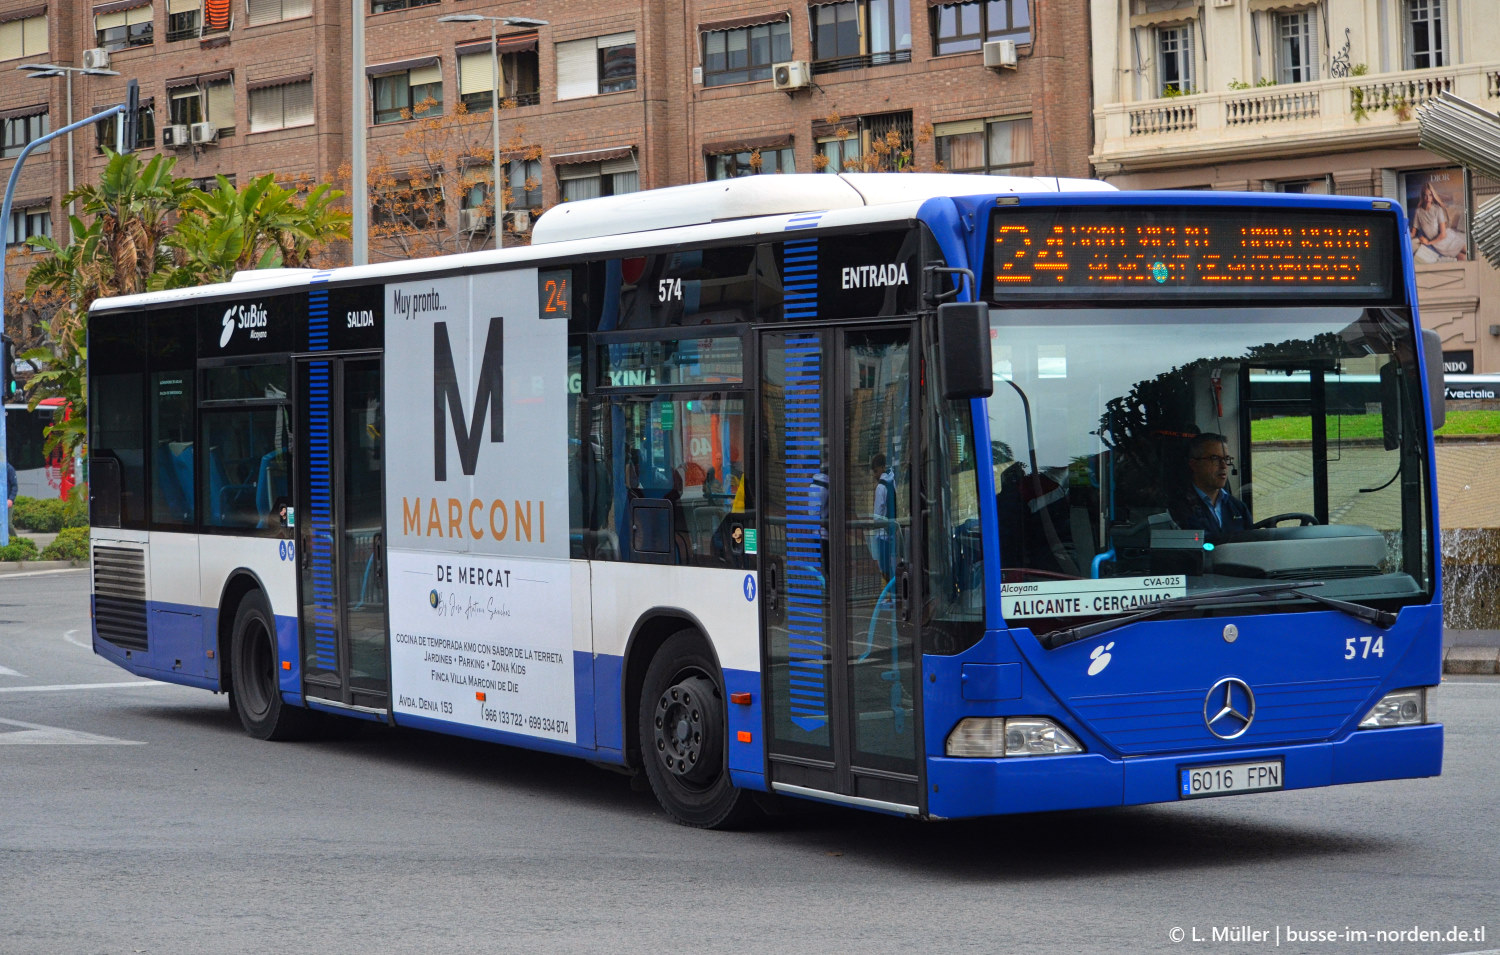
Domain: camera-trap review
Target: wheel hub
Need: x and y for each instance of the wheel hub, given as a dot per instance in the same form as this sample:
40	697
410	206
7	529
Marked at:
683	721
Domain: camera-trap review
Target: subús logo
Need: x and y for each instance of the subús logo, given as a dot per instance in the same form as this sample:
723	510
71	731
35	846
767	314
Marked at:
252	317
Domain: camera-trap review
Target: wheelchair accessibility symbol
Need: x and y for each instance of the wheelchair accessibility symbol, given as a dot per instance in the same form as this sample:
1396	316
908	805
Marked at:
750	587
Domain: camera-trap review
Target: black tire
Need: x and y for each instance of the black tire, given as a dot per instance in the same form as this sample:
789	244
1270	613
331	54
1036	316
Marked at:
684	738
255	694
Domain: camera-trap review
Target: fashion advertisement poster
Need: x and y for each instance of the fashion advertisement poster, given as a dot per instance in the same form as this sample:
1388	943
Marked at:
1437	209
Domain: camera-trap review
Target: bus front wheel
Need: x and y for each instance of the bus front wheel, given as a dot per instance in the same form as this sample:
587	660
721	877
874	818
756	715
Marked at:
684	738
254	692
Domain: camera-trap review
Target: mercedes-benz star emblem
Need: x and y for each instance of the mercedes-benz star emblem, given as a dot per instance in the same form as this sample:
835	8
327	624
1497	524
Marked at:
1229	708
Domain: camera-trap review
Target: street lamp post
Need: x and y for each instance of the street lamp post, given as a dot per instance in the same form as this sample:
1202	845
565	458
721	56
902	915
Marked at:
498	187
46	71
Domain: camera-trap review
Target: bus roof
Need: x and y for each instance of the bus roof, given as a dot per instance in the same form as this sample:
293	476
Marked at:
747	197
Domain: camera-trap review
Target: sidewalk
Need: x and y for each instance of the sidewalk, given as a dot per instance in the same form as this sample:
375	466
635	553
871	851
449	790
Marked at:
41	540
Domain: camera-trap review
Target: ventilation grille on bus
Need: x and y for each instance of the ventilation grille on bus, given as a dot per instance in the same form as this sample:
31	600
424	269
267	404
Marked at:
120	596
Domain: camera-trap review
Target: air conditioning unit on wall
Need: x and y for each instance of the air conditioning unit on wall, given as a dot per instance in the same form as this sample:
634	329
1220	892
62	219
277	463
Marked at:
96	59
1000	54
472	220
204	133
792	75
176	136
520	220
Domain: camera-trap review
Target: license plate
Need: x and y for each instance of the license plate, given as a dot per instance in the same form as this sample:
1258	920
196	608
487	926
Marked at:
1223	780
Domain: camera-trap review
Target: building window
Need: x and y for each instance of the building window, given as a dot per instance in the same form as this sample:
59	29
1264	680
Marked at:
205	101
381	6
1174	60
20	130
1321	186
525	179
145	128
750	162
409	94
24	37
992	147
281	106
121	29
745	54
838	153
25	223
1296	46
880	143
406	207
589	180
860	33
520	75
965	27
604	64
1437	209
184	19
274	11
1426	24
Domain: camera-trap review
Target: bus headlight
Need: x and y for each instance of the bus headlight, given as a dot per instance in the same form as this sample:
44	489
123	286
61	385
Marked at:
1400	708
990	737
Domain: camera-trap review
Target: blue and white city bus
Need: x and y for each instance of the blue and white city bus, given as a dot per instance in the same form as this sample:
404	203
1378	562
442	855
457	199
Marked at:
860	488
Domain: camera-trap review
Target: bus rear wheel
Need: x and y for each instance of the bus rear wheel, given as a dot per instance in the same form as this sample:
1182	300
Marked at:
684	738
255	694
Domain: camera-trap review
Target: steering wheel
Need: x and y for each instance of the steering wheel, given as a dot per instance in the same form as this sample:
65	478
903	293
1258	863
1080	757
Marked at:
1303	520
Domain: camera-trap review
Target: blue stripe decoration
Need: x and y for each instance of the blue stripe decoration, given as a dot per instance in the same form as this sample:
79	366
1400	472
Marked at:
320	505
317	314
799	273
807	578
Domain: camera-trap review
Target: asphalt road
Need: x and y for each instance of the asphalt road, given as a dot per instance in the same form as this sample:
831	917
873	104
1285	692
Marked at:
138	818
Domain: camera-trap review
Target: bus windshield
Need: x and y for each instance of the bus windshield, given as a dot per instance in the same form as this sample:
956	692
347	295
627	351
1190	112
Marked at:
1146	454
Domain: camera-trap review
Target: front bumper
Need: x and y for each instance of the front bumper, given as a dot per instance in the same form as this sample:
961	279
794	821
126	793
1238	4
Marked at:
958	788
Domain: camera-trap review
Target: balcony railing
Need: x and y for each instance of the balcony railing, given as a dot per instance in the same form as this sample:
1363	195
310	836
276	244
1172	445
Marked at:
1192	128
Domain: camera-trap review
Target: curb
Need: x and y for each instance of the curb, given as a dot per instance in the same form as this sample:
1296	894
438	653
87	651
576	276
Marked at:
24	566
1472	660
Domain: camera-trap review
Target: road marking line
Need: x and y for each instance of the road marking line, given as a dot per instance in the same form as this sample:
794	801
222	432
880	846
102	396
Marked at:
7	671
35	734
77	643
80	686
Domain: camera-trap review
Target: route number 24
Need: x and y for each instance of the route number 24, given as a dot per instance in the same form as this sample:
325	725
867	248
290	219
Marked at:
1363	647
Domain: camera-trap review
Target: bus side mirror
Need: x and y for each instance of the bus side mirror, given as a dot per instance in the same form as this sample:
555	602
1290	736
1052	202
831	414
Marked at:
1432	357
1390	405
964	361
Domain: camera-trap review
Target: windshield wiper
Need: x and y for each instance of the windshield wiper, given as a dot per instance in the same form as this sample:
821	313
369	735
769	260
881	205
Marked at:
1276	592
1061	638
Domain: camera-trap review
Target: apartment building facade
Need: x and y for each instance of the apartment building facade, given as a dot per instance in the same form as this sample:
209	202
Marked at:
1310	96
601	99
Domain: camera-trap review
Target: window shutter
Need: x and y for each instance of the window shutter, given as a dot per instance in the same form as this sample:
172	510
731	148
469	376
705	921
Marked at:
958	129
1444	9
183	6
291	9
139	15
265	109
1390	186
1314	43
33	36
220	104
423	75
617	39
108	21
611	167
263	11
297	103
577	69
10	40
475	73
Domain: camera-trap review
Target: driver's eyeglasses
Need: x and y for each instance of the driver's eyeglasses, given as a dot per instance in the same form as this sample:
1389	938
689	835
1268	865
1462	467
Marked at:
1216	459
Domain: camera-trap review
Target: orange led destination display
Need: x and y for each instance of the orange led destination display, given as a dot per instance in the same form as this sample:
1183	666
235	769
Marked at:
1221	252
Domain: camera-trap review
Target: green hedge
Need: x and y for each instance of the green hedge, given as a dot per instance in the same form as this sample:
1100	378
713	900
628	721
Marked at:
72	544
19	548
50	515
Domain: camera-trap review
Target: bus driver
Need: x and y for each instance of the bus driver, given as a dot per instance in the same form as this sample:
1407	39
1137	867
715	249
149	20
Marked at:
1207	504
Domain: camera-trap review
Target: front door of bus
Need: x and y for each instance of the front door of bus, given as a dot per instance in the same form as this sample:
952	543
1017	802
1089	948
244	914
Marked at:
837	562
341	533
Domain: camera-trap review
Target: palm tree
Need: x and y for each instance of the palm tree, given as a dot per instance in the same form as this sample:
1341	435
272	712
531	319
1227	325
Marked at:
260	226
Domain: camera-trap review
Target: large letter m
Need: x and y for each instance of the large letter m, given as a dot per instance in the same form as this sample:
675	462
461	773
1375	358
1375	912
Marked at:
487	398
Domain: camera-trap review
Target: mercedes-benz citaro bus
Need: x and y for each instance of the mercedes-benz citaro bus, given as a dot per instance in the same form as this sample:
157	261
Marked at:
935	495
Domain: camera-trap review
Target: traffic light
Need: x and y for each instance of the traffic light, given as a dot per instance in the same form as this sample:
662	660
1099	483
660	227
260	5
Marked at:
8	355
131	117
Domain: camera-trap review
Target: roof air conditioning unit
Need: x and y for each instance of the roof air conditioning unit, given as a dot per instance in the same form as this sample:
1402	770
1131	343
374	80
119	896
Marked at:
793	75
205	133
175	136
1000	54
520	220
96	59
472	220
